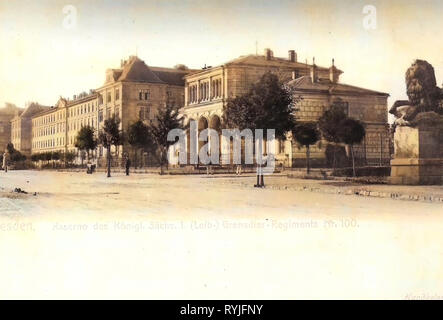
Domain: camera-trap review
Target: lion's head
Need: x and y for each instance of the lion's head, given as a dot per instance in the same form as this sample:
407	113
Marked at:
421	86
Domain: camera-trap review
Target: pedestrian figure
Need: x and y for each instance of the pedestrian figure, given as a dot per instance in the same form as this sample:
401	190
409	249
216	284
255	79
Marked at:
6	160
238	170
127	164
89	167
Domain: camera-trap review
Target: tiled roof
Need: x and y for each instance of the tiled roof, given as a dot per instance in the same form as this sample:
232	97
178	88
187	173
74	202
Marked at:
170	76
260	60
45	111
273	62
137	71
305	84
82	99
33	109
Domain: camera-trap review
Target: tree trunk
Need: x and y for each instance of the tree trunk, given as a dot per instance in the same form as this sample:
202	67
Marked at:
109	160
308	169
262	184
334	161
135	159
353	163
161	162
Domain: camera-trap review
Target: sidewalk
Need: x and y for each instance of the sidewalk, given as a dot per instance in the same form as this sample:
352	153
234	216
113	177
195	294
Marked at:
344	187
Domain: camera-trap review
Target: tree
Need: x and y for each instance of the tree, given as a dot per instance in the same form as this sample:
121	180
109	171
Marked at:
10	148
69	157
351	132
17	156
329	124
267	105
14	154
306	134
139	137
85	140
55	156
110	135
165	120
47	156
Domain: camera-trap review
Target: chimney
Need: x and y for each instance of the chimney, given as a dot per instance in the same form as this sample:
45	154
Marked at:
292	56
333	73
314	76
268	54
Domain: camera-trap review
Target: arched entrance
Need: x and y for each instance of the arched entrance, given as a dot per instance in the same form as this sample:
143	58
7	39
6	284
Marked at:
202	125
215	124
188	141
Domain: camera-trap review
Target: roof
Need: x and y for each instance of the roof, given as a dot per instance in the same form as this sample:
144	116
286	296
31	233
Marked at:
305	84
136	70
45	111
273	62
260	60
171	76
81	99
32	109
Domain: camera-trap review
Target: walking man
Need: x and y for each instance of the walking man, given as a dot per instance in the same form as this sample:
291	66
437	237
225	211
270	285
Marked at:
127	164
6	160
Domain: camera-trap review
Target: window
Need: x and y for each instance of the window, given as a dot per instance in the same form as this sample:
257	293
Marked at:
108	99
117	94
144	113
100	116
341	104
144	94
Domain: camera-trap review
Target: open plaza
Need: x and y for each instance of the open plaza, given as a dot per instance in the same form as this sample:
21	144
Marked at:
75	235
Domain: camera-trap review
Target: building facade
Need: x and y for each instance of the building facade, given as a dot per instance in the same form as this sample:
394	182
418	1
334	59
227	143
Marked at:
6	115
137	91
21	128
207	92
55	129
132	92
368	106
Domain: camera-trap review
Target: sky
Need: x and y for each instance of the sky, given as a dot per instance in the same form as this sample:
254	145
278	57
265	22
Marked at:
46	53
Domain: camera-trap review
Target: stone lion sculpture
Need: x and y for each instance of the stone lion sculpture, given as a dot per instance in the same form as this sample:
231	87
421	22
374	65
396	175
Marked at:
425	97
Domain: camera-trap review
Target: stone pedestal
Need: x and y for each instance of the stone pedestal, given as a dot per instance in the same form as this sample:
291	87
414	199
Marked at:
418	155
